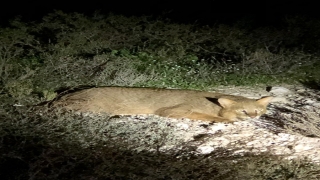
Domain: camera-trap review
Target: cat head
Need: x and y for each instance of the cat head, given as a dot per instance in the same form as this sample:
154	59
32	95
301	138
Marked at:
244	109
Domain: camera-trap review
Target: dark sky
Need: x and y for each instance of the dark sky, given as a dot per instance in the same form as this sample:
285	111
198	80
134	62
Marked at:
206	11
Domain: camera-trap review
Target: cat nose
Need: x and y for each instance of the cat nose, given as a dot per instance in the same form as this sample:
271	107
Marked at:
252	115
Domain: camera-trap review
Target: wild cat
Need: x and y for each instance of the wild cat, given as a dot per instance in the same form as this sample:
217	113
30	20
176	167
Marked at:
173	103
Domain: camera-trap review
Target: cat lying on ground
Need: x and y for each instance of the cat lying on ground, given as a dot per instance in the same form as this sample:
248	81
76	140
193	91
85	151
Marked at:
173	103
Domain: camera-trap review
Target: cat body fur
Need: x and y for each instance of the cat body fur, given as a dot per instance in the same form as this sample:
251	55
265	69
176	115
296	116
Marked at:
173	103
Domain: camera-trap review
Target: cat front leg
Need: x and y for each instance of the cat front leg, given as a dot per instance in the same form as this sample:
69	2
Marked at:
178	112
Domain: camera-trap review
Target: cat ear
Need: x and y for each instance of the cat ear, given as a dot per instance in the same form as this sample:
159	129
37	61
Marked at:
225	102
265	100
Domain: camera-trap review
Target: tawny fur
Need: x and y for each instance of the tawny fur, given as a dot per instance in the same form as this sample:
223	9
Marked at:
196	105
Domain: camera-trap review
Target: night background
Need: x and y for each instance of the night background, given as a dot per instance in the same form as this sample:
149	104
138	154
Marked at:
207	12
51	47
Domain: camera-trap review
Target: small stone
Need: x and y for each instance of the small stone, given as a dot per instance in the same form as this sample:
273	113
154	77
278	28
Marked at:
205	149
219	127
316	105
301	90
280	100
182	126
309	101
302	147
280	91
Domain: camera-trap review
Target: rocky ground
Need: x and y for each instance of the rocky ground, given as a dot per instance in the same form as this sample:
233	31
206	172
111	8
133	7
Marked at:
290	129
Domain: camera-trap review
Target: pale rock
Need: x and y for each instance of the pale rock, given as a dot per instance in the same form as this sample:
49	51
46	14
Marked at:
182	126
301	90
241	151
205	149
220	141
302	147
316	105
219	127
280	100
280	91
285	137
281	150
309	101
